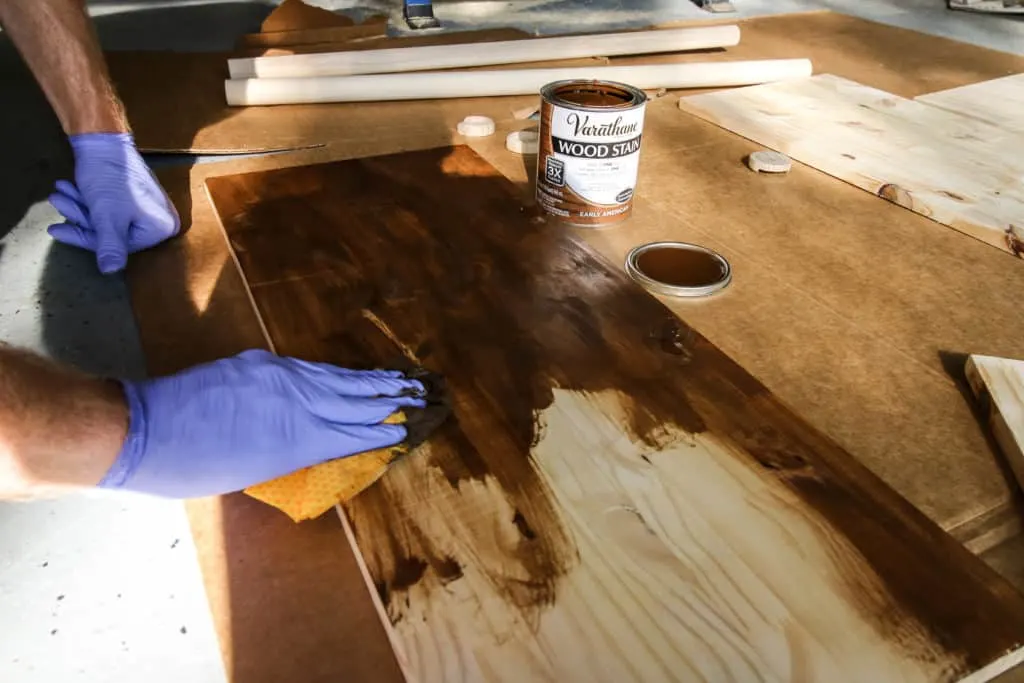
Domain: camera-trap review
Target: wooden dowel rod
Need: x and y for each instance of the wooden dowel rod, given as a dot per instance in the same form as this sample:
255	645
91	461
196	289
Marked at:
448	84
393	60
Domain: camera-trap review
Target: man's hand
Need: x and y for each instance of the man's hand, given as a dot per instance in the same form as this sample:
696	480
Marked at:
116	206
240	421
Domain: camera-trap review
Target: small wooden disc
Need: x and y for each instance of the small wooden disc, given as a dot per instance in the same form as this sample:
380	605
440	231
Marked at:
767	161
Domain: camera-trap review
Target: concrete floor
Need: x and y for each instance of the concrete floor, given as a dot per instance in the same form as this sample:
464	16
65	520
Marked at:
106	588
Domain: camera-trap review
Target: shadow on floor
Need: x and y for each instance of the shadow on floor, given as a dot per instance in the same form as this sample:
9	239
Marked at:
84	317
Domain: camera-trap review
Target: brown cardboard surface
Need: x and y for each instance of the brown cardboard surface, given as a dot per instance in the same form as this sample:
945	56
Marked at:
800	315
175	102
287	600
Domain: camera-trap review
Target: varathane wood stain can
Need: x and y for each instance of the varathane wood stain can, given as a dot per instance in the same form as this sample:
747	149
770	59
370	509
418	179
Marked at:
590	134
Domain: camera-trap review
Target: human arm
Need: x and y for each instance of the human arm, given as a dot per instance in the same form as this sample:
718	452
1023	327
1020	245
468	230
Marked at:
59	428
57	40
210	429
115	206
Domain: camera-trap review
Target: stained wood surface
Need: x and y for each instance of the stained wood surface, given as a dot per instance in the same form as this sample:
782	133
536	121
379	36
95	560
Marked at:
999	385
956	170
615	498
804	314
999	101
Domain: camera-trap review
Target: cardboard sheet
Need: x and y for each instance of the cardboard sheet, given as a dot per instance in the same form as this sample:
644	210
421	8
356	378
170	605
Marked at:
176	101
840	305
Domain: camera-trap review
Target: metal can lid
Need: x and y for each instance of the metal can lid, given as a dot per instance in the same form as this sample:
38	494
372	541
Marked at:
593	95
678	269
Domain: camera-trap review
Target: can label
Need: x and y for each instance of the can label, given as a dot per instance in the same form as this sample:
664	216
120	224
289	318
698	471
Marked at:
589	155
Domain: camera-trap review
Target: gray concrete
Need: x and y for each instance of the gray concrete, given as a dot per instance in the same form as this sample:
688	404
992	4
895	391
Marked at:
105	588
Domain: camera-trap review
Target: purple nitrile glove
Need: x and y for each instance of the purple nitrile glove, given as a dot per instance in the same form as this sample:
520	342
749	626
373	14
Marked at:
115	206
240	421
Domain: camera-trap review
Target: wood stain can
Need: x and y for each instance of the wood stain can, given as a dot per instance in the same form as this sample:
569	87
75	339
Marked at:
590	133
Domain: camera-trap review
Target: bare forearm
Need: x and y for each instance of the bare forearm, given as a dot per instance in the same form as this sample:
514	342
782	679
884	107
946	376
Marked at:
57	40
58	428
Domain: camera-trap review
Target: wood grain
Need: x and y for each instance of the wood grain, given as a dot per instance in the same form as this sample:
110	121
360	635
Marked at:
999	385
958	171
616	499
999	101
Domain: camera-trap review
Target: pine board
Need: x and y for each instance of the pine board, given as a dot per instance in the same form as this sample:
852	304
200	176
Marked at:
956	170
616	500
999	101
999	385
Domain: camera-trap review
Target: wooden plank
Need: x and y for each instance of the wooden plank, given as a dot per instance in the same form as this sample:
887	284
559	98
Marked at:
999	385
958	171
999	101
616	499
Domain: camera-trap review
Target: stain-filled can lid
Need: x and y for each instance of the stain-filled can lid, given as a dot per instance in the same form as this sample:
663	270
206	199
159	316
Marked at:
678	269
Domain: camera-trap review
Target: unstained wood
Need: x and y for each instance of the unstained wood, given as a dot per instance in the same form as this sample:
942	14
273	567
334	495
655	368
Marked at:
957	170
998	384
615	499
999	101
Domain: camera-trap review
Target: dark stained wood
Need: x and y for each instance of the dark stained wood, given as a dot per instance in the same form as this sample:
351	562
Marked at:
436	251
